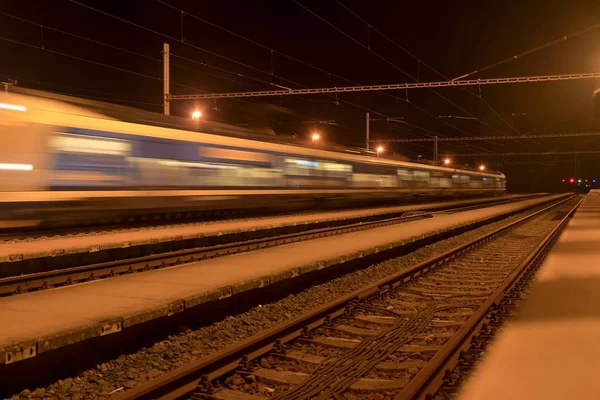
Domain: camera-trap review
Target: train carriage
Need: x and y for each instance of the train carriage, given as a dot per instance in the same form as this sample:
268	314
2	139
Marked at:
59	157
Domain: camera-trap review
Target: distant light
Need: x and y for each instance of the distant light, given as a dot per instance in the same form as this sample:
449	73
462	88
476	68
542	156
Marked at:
379	150
12	107
593	181
16	167
446	161
315	137
586	181
482	167
197	114
563	181
579	181
572	180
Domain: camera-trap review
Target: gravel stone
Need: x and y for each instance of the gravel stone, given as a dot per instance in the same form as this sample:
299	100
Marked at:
110	378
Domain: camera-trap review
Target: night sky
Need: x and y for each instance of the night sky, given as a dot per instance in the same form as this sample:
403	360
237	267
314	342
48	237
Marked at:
228	45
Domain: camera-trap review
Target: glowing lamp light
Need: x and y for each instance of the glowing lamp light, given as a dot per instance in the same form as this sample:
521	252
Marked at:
315	137
572	180
578	180
593	181
197	114
563	181
379	150
482	167
12	107
446	161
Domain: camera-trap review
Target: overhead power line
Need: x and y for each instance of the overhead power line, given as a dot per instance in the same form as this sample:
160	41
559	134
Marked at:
42	27
398	86
276	52
187	43
80	58
44	47
549	153
369	49
476	138
533	50
421	62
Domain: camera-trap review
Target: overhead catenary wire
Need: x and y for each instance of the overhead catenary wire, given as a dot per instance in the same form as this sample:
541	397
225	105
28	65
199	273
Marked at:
184	12
210	52
421	62
79	58
273	51
79	37
531	51
187	43
269	49
44	48
198	48
387	62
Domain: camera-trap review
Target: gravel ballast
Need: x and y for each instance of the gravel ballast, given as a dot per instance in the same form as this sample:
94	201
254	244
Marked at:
129	370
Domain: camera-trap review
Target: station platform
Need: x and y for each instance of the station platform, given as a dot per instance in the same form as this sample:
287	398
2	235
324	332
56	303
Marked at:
19	250
551	350
41	321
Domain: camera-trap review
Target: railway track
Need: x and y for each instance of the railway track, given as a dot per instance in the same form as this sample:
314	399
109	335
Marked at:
396	338
183	219
61	276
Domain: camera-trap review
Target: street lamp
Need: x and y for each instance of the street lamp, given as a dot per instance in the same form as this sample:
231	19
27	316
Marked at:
315	137
197	114
446	161
379	150
482	167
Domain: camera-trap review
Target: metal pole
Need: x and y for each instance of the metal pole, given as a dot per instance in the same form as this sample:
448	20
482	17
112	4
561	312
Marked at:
368	119
166	78
435	149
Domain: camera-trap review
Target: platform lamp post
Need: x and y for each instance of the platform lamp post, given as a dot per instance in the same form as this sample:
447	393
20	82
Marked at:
446	161
315	137
379	151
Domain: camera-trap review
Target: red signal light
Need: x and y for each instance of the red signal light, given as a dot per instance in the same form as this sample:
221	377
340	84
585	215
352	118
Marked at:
572	180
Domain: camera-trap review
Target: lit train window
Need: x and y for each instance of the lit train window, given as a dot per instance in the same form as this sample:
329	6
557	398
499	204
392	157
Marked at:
405	174
421	175
334	167
68	143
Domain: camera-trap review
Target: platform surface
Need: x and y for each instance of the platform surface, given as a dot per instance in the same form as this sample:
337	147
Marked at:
143	235
55	316
552	350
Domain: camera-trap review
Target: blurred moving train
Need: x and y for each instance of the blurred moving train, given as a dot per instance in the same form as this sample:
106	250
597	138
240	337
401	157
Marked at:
63	158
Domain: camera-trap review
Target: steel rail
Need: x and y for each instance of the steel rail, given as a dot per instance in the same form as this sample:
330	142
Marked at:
200	374
430	378
47	279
